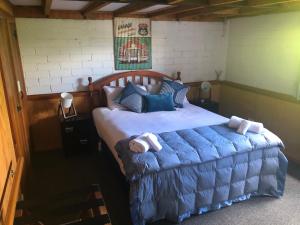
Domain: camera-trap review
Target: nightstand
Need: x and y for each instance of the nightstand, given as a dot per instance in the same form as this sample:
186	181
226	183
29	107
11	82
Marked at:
77	134
208	105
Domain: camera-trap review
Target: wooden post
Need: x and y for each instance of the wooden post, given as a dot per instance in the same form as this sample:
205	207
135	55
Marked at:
178	75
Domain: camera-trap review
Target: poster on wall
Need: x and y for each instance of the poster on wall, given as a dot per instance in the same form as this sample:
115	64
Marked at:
132	43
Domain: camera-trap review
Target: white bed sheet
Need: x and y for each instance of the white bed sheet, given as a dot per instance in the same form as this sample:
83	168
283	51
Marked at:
115	125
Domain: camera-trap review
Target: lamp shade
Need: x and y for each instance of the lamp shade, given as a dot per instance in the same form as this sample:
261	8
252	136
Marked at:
66	100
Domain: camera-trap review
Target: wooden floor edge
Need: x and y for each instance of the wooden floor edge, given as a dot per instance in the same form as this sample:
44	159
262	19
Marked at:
15	192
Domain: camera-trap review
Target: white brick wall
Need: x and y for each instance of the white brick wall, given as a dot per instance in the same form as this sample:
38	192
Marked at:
59	55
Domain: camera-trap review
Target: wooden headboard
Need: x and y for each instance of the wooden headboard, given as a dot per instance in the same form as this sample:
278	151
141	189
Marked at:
143	77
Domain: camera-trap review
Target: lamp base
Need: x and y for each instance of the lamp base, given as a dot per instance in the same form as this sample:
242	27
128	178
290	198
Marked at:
71	112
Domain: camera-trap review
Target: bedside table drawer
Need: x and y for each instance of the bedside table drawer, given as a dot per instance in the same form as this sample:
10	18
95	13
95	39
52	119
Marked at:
77	134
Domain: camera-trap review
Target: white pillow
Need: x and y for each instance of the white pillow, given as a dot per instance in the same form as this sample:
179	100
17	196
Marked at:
111	94
153	88
142	86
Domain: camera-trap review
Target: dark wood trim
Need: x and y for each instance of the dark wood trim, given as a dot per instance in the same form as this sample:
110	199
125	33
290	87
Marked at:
198	83
55	95
47	6
97	95
273	94
262	3
223	2
203	11
6	8
94	6
37	12
175	9
131	8
86	93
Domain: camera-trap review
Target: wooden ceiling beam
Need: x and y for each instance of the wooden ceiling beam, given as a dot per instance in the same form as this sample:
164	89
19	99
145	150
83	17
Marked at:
94	6
175	10
37	12
47	7
223	2
226	12
205	11
133	7
262	3
6	8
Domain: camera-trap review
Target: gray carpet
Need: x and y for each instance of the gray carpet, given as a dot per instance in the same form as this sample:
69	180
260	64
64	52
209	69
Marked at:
258	211
52	173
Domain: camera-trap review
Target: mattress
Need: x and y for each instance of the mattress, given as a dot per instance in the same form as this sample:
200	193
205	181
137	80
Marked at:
115	125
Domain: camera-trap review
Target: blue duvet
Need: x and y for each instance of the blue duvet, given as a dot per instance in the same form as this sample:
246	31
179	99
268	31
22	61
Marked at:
201	169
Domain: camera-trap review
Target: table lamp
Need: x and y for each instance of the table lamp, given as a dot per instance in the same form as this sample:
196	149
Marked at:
66	105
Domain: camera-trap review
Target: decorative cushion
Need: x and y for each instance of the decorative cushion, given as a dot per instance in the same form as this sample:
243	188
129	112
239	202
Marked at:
111	94
177	90
153	88
162	102
132	97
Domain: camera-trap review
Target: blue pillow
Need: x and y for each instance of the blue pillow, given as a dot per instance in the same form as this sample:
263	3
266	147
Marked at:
177	90
132	97
163	102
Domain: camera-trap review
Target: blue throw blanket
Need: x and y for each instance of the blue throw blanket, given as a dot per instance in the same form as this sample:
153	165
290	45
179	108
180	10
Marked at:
201	169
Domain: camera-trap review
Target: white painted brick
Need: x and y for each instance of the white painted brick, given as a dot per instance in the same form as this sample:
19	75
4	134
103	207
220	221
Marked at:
92	64
107	64
36	74
34	59
70	80
69	50
38	90
81	48
81	58
27	51
29	67
71	65
99	57
50	80
82	72
31	82
60	73
46	51
102	72
58	58
48	66
61	88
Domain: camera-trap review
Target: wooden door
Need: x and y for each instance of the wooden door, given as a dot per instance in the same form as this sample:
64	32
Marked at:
7	156
12	73
21	90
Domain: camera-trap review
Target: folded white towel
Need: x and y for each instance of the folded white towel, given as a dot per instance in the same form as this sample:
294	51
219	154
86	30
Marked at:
139	145
153	141
244	126
255	127
235	122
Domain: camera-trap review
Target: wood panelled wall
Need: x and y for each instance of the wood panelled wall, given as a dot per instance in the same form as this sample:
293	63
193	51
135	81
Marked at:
279	113
44	122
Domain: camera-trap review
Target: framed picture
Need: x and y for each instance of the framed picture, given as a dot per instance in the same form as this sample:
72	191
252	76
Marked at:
132	44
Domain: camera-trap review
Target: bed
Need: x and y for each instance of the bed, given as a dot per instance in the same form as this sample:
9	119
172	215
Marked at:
204	165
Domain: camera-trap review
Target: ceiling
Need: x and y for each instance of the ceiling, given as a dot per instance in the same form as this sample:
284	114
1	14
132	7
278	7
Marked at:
199	10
